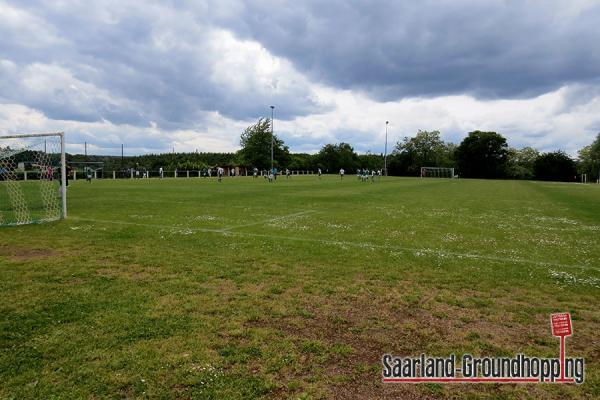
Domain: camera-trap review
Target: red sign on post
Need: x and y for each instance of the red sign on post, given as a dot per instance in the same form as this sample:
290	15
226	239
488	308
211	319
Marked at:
561	324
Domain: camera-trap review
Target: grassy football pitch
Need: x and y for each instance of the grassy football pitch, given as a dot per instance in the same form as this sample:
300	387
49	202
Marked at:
187	288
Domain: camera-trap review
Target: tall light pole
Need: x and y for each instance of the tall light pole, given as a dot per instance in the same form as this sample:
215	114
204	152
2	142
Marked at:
272	137
385	154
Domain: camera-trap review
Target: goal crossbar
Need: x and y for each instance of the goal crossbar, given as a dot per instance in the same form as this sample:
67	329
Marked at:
23	135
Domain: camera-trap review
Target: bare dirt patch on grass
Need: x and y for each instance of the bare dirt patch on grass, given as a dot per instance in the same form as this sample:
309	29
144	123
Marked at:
131	272
340	340
343	338
26	254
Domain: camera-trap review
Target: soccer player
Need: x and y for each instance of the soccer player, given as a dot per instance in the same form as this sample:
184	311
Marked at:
88	174
342	173
255	173
68	171
220	172
287	173
319	173
49	173
160	172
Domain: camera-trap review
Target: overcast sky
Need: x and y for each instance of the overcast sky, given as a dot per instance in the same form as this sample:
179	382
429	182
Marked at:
192	75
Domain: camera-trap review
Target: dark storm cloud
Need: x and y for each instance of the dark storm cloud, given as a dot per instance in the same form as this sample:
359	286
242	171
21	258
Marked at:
144	63
491	49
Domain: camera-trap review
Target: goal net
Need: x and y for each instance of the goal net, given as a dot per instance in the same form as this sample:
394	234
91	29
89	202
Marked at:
32	178
437	172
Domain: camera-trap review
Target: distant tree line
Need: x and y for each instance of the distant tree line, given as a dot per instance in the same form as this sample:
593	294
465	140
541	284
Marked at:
488	155
152	162
479	155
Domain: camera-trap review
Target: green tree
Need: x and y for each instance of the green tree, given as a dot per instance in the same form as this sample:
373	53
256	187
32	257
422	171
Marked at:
555	166
589	159
370	161
482	155
332	157
256	147
301	162
520	162
425	149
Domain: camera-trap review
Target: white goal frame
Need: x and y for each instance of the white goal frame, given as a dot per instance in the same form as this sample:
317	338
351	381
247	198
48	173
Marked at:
437	172
63	164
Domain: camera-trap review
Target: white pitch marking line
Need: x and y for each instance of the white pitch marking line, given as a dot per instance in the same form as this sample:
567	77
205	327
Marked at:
146	225
346	243
229	228
424	250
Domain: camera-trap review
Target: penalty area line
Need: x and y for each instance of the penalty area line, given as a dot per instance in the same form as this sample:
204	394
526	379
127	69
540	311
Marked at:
105	221
413	250
228	231
229	228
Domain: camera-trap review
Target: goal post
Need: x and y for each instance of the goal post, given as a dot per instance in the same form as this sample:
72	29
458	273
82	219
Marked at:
33	178
437	172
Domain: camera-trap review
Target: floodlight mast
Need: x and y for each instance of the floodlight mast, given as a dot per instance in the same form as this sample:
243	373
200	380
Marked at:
385	172
272	137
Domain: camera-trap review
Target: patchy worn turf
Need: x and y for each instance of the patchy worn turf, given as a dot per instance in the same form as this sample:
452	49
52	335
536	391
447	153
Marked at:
188	288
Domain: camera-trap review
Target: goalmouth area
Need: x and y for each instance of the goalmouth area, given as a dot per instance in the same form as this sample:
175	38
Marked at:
190	288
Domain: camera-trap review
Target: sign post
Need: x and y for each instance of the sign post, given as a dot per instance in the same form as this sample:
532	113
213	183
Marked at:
561	327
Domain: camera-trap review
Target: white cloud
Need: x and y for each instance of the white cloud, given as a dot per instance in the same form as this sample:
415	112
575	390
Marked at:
23	28
104	137
543	122
54	88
